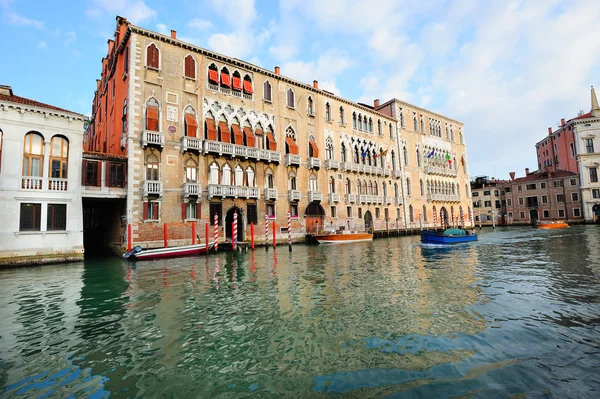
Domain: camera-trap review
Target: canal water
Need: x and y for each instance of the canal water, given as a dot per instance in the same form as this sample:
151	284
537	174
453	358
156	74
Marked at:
515	314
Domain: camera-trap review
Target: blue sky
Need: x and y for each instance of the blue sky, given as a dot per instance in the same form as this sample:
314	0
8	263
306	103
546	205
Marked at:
507	69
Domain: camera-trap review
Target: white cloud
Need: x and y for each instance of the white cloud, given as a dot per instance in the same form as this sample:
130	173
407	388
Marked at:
42	45
326	68
238	13
136	11
16	19
71	37
162	28
199	24
240	44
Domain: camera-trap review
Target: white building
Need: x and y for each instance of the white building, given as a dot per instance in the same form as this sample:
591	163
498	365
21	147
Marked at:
587	142
40	182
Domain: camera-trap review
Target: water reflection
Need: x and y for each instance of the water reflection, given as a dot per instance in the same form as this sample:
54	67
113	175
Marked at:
516	312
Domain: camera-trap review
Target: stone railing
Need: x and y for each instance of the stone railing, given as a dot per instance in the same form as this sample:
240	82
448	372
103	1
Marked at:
334	197
191	189
350	198
292	159
439	170
191	143
240	151
31	183
294	195
314	196
443	197
314	163
219	190
56	184
270	194
153	138
153	187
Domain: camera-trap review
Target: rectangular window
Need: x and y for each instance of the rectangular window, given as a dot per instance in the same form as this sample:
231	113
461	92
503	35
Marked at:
531	186
57	217
521	201
487	204
593	175
116	174
294	211
558	183
386	213
544	199
561	213
360	213
486	192
522	215
575	197
496	193
30	217
498	206
91	173
576	212
573	182
546	213
271	211
475	194
190	210
509	202
596	193
519	188
560	198
215	208
532	202
348	211
377	213
333	212
151	211
397	213
507	190
572	149
252	214
542	185
589	145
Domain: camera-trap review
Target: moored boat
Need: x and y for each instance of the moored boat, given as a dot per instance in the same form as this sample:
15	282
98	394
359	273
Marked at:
552	224
448	236
147	254
340	237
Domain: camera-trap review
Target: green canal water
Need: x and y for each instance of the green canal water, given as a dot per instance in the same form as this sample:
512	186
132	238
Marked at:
515	314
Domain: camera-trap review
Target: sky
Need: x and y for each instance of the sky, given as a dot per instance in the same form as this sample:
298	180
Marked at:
507	69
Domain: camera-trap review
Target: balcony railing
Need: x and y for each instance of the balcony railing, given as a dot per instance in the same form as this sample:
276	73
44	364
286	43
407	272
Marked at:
443	197
191	143
314	163
350	198
270	194
56	184
387	172
153	187
240	151
439	170
396	174
398	201
333	197
218	190
292	159
332	164
387	200
191	189
31	183
153	138
294	195
314	196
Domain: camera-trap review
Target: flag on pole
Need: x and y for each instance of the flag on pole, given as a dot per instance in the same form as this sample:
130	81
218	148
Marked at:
364	154
448	158
383	153
462	160
431	153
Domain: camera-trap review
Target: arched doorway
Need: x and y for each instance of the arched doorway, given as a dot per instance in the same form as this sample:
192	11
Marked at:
240	224
368	221
314	216
596	213
533	216
444	217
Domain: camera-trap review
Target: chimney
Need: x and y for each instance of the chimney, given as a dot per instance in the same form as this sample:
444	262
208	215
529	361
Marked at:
526	171
562	121
512	175
549	131
376	103
6	90
277	71
173	34
316	84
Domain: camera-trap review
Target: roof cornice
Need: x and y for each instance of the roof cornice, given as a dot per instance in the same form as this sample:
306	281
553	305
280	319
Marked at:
404	103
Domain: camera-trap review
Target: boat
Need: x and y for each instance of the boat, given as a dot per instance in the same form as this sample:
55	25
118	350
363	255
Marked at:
448	236
552	224
341	236
139	253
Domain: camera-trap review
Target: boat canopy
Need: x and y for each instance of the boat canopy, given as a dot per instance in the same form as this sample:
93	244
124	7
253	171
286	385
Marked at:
455	232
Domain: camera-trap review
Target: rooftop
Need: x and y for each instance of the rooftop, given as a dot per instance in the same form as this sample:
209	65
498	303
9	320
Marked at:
6	94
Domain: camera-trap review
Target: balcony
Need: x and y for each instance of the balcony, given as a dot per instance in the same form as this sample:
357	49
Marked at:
397	174
153	187
349	166
31	183
191	189
333	198
191	144
386	172
398	201
153	138
240	151
350	198
440	170
443	197
332	164
314	163
56	184
294	195
387	200
218	190
292	160
362	199
270	194
315	196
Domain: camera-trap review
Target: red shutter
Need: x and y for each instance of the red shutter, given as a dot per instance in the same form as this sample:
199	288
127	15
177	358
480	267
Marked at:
248	87
198	210
249	136
238	136
237	83
211	130
152	56
84	172
213	76
315	149
98	174
152	119
124	171
272	142
225	80
183	211
155	206
107	174
146	210
190	125
190	71
225	134
291	144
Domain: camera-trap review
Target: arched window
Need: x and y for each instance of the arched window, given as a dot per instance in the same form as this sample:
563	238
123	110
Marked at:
226	175
152	114
370	125
238	175
384	189
260	137
292	181
291	147
313	186
379	131
405	156
214	174
467	190
267	95
225	78
191	171
363	187
342	118
418	159
189	67
424	213
408	188
249	138
124	117
347	187
331	185
190	124
452	134
59	157
422	187
422	126
411	213
396	195
33	155
250	181
370	188
358	190
462	138
236	82
269	183
356	155
375	188
328	112
401	118
457	190
248	88
152	56
354	125
152	167
360	125
391	131
365	124
342	152
213	75
393	160
313	150
415	122
329	148
291	102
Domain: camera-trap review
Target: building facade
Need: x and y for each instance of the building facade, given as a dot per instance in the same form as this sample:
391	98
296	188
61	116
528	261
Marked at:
488	200
40	180
204	134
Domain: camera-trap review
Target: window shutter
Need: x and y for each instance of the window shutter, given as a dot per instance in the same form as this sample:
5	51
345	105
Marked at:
198	210
248	88
189	67
155	206
107	174
98	174
183	209
84	172
213	76
146	210
124	172
190	125
237	83
152	118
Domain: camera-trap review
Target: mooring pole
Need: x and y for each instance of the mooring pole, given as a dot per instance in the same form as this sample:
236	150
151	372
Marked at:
165	238
129	237
252	235
193	233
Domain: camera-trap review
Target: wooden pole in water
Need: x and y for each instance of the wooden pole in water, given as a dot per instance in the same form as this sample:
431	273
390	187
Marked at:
129	237
193	233
290	232
266	232
252	235
206	235
274	235
234	231
216	244
165	237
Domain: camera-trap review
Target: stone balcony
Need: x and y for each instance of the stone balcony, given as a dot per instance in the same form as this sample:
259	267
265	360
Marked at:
398	201
350	198
315	196
314	163
440	170
333	198
240	151
443	197
153	187
191	144
397	174
191	190
292	160
270	194
387	200
332	164
156	139
219	190
294	195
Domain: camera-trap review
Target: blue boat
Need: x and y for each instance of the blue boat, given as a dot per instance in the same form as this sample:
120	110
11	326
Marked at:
448	236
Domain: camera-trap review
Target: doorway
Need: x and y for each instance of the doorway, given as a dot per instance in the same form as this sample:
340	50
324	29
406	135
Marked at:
240	224
314	215
533	216
596	213
368	221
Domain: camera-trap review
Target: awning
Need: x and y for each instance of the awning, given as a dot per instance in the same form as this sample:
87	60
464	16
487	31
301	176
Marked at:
271	141
249	136
315	149
211	130
225	80
238	136
190	125
225	134
152	118
237	83
248	87
291	145
213	76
